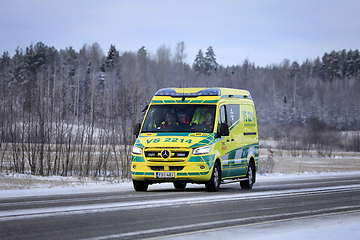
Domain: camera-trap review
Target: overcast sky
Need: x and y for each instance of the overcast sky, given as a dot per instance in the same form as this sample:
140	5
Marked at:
264	32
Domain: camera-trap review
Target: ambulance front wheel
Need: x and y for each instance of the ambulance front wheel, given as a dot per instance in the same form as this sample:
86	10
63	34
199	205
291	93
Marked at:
140	186
250	176
213	184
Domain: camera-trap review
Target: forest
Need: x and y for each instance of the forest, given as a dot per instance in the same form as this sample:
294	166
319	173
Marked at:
71	113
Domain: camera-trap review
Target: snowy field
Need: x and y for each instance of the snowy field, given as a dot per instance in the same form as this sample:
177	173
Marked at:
327	227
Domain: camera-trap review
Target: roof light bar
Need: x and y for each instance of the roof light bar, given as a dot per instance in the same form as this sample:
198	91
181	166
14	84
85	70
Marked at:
172	93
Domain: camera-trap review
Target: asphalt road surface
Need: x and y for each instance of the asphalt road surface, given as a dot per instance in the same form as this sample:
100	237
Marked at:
163	211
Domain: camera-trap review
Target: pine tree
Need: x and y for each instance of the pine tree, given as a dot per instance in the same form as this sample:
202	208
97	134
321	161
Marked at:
113	54
199	63
210	61
350	64
356	58
343	63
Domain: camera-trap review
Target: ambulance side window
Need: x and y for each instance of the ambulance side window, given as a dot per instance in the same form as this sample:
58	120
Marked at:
222	115
223	129
233	113
229	114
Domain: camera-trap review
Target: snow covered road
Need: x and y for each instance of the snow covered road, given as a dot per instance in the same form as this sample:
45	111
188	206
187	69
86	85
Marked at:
279	206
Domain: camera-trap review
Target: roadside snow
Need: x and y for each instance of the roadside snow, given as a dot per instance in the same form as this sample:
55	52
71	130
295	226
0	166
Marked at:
67	188
61	185
329	227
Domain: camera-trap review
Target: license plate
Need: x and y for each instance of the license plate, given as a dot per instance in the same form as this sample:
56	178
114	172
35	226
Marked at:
165	175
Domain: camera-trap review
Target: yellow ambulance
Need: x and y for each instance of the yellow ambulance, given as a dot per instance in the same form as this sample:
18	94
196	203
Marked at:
197	135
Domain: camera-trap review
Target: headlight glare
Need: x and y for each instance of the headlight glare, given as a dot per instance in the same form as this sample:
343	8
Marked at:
137	150
202	150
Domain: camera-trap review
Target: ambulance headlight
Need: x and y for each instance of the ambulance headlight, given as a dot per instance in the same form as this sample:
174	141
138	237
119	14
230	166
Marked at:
137	150
201	150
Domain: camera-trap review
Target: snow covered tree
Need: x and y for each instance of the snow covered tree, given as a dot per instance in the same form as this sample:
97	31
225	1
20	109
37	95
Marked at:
210	61
353	62
199	63
112	56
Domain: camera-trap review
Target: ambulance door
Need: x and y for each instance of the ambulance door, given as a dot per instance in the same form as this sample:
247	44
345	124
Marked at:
230	114
235	140
224	143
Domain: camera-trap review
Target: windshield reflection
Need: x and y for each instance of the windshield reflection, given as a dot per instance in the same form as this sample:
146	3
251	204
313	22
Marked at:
180	118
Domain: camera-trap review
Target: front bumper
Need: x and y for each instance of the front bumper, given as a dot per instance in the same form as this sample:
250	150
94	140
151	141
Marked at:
195	168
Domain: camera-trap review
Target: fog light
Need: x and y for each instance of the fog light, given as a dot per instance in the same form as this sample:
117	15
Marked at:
134	167
202	167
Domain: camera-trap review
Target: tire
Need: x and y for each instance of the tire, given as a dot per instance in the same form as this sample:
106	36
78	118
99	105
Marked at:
140	186
213	184
180	185
249	182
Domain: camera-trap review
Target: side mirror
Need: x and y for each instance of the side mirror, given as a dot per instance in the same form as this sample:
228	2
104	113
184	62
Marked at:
223	130
145	108
137	129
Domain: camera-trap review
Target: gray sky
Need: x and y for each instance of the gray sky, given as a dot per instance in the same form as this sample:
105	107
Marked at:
265	32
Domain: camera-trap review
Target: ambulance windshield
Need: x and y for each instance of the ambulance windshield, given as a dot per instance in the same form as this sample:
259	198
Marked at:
180	118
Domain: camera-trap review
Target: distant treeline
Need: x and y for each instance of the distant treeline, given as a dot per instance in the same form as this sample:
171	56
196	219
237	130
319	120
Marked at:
67	112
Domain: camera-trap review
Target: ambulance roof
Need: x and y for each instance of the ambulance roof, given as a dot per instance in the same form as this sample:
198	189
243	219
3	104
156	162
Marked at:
197	92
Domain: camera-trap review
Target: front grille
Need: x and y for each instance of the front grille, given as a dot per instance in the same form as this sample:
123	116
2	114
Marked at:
165	160
181	154
152	154
176	168
157	168
176	154
171	168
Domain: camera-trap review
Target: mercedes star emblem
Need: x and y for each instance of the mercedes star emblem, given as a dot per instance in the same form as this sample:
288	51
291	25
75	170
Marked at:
165	153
